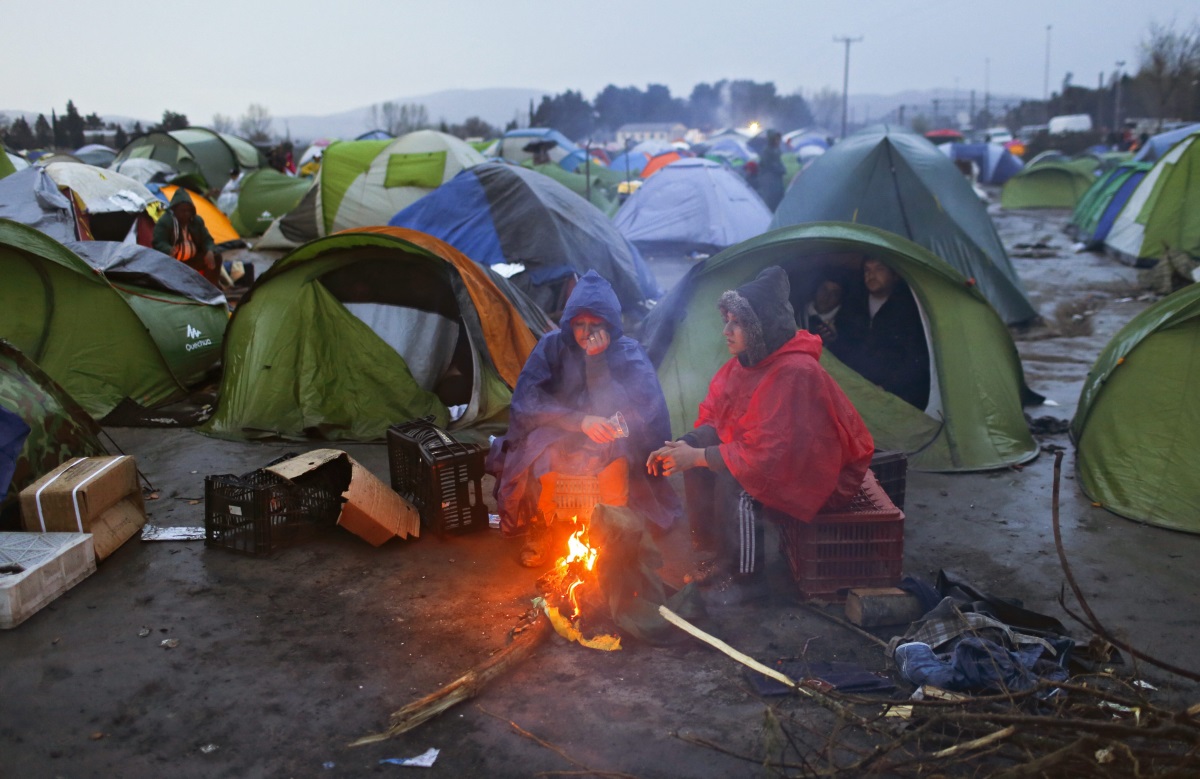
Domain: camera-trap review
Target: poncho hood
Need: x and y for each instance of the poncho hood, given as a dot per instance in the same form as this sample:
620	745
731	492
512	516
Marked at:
594	295
181	197
764	311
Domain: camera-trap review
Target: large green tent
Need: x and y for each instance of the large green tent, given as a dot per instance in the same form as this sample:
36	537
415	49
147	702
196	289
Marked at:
59	428
196	151
896	180
146	329
357	331
1137	426
974	419
264	196
1049	184
365	183
1164	211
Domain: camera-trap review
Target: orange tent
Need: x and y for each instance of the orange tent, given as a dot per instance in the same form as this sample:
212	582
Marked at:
217	223
656	162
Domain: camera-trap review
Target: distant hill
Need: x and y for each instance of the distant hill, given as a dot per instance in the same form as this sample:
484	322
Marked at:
497	106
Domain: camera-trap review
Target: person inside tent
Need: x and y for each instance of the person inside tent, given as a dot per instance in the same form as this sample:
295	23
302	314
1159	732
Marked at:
882	337
563	420
181	233
775	437
819	315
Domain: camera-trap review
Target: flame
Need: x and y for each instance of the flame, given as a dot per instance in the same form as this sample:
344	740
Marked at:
579	560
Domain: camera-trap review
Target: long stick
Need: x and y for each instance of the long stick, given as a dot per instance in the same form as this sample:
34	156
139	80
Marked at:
982	741
713	641
464	687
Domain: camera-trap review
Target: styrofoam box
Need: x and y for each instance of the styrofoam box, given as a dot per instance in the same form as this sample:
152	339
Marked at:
50	564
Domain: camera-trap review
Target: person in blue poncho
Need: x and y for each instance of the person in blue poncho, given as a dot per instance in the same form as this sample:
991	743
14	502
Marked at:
575	381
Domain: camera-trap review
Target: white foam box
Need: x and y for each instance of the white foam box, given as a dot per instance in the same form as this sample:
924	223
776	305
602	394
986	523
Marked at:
49	564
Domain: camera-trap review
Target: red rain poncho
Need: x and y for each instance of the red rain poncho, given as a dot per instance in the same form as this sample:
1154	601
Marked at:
789	435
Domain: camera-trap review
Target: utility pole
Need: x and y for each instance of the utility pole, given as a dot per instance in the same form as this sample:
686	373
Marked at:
1117	98
846	76
987	89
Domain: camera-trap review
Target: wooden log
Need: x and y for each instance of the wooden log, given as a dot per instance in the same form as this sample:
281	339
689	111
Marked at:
713	641
870	607
466	686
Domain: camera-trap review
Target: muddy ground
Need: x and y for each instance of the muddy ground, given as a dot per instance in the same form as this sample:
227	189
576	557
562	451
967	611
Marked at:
281	662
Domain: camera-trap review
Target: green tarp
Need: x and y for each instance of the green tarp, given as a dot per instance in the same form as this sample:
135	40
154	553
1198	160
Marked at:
974	420
1137	425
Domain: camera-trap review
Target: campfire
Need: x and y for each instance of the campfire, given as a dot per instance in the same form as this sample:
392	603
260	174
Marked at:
571	583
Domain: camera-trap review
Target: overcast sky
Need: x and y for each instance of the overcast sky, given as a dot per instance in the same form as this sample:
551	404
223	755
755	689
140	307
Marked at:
219	56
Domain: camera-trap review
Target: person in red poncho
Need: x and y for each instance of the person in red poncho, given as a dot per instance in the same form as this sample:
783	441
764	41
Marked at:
775	437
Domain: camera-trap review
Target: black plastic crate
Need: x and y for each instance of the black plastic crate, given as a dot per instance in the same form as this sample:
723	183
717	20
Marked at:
260	513
442	477
891	469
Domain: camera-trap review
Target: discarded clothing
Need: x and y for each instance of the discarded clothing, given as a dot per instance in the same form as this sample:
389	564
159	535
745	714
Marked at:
976	665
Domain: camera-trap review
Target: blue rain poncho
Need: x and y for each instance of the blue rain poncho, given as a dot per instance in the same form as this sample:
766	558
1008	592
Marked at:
553	396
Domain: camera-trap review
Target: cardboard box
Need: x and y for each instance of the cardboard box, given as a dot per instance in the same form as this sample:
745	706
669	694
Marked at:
373	511
97	495
35	568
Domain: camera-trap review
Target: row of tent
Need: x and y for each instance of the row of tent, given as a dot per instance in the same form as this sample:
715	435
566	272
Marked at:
973	421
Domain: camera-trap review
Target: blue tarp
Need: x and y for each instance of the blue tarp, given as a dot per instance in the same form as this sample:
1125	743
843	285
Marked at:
691	205
500	213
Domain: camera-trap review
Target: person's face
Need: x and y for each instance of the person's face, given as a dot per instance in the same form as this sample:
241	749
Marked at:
828	297
735	336
591	333
878	278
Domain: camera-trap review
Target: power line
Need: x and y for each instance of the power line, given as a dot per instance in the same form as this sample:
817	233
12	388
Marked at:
846	76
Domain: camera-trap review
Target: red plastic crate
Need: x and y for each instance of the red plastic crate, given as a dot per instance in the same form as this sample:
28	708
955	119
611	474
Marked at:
861	545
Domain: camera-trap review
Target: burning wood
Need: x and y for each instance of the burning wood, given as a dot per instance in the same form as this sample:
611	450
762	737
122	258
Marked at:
571	579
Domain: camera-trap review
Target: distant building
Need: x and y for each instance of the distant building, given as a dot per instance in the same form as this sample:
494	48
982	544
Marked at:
650	131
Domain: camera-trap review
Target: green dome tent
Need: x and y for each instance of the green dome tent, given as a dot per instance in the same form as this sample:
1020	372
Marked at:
1048	184
59	428
898	181
146	333
974	419
365	183
195	151
1164	211
1137	426
357	331
265	195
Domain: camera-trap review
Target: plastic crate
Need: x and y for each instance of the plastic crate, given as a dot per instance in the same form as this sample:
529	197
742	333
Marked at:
576	496
442	477
261	513
891	469
861	545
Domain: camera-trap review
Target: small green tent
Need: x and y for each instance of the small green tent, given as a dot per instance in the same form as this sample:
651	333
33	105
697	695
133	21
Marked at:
365	183
1137	426
974	418
146	331
1049	184
1164	211
357	331
195	151
264	196
59	428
